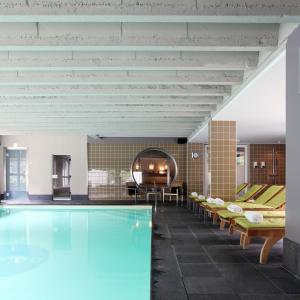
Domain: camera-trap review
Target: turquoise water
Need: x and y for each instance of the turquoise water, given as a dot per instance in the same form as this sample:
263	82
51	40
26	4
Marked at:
63	252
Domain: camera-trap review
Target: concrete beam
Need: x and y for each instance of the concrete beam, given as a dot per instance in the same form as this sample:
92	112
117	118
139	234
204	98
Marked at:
121	77
117	91
144	37
137	121
29	100
92	113
90	120
77	108
93	131
128	61
149	11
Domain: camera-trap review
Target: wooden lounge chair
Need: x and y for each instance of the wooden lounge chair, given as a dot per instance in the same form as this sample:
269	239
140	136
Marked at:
250	194
272	198
271	230
195	200
240	188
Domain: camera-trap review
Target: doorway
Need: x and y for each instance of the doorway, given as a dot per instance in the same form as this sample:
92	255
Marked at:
241	167
241	164
61	178
15	174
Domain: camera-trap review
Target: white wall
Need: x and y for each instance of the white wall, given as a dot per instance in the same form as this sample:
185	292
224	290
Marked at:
40	149
259	109
293	138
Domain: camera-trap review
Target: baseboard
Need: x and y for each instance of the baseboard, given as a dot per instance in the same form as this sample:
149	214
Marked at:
81	198
291	256
40	197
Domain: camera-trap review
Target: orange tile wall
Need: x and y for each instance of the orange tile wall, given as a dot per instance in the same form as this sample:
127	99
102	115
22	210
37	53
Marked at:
263	152
114	162
222	159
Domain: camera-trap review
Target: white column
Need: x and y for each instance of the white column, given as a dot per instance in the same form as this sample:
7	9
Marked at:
292	240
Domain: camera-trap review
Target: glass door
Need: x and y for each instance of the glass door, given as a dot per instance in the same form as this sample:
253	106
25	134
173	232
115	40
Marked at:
241	164
61	177
15	174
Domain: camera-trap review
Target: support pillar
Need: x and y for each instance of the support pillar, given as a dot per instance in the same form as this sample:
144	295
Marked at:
222	159
291	250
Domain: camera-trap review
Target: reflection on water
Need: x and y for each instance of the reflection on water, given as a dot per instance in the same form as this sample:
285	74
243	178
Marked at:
77	250
20	258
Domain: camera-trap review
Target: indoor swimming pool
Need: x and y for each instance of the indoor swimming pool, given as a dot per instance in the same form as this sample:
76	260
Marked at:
75	252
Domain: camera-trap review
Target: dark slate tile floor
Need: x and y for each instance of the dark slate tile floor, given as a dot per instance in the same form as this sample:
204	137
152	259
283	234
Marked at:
192	260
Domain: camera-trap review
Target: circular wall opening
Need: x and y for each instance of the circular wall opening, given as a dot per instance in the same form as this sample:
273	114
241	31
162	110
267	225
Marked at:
154	167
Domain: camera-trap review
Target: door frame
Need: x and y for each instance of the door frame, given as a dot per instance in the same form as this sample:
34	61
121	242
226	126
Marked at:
245	146
4	168
52	179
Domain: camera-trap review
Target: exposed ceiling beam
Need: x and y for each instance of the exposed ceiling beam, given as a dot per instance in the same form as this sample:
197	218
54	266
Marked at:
121	77
150	11
117	91
137	121
100	114
29	100
93	131
128	61
129	36
105	108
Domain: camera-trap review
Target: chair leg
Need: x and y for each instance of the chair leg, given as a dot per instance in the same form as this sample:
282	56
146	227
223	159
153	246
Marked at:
215	218
246	242
231	229
242	237
265	250
222	224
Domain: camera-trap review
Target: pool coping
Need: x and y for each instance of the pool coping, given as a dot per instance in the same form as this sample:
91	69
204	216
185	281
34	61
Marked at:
77	206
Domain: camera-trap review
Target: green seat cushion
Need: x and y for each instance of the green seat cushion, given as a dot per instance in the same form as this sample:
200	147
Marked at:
247	205
240	187
200	201
267	223
278	200
244	205
250	193
226	214
269	194
213	206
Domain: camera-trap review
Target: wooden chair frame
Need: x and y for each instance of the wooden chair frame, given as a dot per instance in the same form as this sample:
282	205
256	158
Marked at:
270	235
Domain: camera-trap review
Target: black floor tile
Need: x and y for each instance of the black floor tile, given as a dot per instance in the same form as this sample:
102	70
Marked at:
193	260
244	278
194	248
227	258
213	297
263	297
201	270
207	285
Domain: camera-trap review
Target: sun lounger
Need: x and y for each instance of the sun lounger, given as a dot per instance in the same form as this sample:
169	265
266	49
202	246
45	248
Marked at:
271	230
271	203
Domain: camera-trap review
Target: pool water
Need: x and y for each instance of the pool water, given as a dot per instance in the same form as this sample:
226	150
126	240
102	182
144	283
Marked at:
75	252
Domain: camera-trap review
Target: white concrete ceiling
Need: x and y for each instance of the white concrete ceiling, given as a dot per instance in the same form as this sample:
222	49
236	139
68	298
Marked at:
259	108
130	68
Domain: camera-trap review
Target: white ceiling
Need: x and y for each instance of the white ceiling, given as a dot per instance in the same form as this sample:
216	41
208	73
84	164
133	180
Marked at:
259	108
130	68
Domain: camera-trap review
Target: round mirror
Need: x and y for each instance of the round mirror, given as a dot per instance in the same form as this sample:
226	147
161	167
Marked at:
154	168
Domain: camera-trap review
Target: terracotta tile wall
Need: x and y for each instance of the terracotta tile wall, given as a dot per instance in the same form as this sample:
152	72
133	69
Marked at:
222	159
263	153
195	167
113	161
